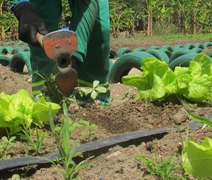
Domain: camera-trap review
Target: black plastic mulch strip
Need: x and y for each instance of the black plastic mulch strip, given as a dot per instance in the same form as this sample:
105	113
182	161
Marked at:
95	147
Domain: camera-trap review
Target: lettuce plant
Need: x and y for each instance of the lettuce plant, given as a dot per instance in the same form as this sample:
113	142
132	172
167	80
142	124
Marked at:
158	81
20	110
197	158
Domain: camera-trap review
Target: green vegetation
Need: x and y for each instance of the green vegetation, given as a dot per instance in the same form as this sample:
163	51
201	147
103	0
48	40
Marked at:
6	144
35	140
91	92
151	17
139	37
160	17
62	139
164	168
197	157
20	110
158	81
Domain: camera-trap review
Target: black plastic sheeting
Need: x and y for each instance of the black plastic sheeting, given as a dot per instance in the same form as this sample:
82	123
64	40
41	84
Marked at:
96	147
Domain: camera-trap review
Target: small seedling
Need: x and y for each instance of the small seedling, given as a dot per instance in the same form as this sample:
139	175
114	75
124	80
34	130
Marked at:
49	89
162	167
89	129
66	151
5	145
91	92
37	143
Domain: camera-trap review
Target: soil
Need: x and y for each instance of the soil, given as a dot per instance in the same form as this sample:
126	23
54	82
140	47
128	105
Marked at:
125	114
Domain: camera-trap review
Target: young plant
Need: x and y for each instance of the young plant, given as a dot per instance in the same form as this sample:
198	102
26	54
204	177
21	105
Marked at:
6	145
89	129
163	168
37	143
20	110
66	151
91	92
158	81
197	157
49	89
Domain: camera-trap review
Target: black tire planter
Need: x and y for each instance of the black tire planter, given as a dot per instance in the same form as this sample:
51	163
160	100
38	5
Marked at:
196	50
168	53
178	52
122	51
138	49
19	50
167	47
159	54
188	46
207	44
182	61
19	60
198	45
177	46
153	47
7	50
113	54
4	60
125	63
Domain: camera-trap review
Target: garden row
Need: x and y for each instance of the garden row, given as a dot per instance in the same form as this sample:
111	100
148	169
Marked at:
177	55
18	57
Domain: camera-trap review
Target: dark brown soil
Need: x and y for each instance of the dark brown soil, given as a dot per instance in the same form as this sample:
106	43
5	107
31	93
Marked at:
125	114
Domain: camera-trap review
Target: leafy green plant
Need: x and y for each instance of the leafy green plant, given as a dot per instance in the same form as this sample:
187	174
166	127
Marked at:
158	81
37	143
20	110
91	92
6	145
66	151
89	129
197	157
163	167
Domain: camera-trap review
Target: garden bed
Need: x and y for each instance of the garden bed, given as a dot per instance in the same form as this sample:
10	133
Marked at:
125	114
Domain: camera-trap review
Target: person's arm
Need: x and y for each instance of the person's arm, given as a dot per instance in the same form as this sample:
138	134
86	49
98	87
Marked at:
29	22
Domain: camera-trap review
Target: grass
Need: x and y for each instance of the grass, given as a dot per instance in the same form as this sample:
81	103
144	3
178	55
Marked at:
138	37
163	168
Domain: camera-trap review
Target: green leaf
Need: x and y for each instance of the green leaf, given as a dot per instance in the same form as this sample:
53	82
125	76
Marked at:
199	118
195	81
40	112
154	66
156	81
15	110
94	95
197	158
101	89
86	90
66	135
156	89
71	152
95	84
134	80
5	139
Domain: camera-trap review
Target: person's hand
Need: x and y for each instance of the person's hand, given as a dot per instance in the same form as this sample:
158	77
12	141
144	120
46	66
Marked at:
29	23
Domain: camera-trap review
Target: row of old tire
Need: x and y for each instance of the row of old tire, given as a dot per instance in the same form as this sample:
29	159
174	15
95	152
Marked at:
177	55
16	56
126	59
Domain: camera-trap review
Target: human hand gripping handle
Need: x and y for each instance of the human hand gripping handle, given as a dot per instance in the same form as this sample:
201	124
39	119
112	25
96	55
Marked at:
31	26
